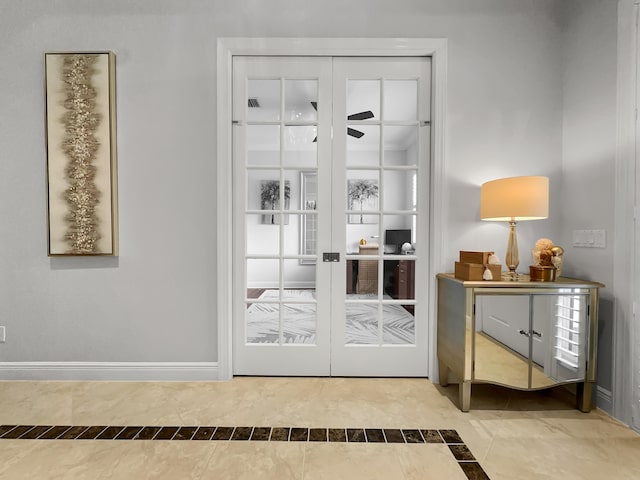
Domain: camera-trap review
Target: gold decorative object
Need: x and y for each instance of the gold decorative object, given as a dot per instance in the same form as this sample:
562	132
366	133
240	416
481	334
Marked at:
81	153
547	261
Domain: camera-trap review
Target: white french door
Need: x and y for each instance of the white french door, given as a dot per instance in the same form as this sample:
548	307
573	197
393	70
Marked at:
331	189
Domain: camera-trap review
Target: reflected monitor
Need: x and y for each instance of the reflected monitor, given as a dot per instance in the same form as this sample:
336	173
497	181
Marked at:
395	239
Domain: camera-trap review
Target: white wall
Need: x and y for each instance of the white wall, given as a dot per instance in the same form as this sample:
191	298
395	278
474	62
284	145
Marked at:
588	168
156	302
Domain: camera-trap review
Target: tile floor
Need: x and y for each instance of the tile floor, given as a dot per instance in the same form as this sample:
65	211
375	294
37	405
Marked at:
512	434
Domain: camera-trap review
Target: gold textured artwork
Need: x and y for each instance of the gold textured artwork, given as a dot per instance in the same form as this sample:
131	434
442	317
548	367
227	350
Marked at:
81	160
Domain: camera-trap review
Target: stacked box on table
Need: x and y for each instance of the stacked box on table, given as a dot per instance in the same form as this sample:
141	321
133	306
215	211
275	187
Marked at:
481	258
473	264
475	271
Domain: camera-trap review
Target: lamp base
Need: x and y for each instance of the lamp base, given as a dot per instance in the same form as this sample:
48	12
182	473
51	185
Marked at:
511	258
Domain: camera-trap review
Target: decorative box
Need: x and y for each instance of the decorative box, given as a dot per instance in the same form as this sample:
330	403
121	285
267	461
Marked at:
474	271
481	258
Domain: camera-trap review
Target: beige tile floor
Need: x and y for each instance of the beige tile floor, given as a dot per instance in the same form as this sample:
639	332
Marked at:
514	435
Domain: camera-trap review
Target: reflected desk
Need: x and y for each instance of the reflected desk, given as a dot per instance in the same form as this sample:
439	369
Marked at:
519	334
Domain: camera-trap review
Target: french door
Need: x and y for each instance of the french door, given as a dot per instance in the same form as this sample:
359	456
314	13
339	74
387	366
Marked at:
331	201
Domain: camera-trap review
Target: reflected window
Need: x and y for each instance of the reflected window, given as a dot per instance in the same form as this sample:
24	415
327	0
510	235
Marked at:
567	341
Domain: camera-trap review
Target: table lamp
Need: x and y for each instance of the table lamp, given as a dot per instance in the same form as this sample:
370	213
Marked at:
512	200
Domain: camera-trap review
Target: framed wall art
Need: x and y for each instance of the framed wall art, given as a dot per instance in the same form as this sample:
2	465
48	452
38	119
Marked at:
81	153
270	200
362	195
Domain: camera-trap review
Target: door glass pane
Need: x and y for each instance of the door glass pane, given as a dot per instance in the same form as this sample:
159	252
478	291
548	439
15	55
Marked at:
400	100
261	238
264	100
300	149
363	145
264	194
298	300
263	145
309	222
399	279
363	193
301	100
290	235
299	323
399	230
362	323
363	99
400	145
398	324
399	190
263	316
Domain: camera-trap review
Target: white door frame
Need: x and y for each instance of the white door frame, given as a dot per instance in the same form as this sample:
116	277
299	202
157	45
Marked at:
360	47
626	331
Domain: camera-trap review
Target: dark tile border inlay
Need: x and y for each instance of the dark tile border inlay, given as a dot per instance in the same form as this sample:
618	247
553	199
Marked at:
223	433
462	454
337	435
413	436
242	433
147	433
356	435
72	433
53	433
204	433
280	434
90	433
393	435
185	433
374	435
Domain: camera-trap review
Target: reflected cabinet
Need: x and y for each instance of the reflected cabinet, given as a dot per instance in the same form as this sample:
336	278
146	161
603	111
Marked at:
519	334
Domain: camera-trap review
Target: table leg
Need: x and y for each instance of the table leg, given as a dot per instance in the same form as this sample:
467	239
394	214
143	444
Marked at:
584	396
464	392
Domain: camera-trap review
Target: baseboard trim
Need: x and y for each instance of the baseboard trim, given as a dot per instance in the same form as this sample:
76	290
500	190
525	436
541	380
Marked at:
115	371
604	400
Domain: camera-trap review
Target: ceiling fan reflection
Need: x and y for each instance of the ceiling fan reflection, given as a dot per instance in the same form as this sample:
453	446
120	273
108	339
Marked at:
366	115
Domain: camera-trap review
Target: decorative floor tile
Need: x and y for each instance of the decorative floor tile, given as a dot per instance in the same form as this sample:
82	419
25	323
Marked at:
185	433
459	450
374	435
337	435
280	434
223	433
261	434
413	436
90	433
204	433
147	433
394	436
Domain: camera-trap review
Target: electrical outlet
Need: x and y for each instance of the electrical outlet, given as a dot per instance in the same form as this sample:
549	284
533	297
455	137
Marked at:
3	334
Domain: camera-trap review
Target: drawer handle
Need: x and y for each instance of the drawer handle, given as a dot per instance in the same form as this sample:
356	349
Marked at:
526	334
537	334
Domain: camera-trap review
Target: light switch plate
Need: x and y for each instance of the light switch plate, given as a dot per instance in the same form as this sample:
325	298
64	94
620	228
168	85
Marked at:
589	238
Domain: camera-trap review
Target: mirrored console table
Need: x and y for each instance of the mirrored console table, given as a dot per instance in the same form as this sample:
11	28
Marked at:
519	334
